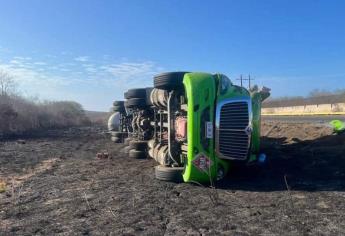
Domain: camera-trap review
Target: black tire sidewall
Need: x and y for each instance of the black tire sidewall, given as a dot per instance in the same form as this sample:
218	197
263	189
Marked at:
169	81
117	134
115	139
138	145
136	93
169	174
118	109
136	102
137	154
118	103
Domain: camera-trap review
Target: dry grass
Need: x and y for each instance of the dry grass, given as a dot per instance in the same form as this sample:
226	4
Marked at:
307	202
2	186
19	115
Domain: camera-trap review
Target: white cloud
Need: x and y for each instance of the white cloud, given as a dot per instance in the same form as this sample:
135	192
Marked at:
82	58
126	75
134	70
91	70
65	69
15	62
22	58
33	77
73	79
66	64
50	56
87	65
40	63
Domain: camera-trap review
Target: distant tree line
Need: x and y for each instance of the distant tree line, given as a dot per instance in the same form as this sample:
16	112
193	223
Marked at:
315	97
19	115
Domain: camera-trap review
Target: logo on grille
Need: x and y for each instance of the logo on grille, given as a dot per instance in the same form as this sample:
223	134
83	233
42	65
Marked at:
248	130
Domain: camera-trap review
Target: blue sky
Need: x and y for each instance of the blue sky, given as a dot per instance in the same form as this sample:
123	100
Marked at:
92	51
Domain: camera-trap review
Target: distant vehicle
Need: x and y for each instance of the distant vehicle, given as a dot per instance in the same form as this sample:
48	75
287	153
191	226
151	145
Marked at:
195	125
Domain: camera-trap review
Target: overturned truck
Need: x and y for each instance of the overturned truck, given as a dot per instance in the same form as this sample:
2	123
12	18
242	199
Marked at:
195	125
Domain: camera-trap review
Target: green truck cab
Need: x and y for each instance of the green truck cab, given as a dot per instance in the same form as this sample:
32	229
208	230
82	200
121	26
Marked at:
202	123
223	125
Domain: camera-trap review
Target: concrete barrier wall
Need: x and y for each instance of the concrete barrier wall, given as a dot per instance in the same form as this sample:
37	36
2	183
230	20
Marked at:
321	109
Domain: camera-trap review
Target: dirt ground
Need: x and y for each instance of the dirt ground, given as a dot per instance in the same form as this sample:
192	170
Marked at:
56	186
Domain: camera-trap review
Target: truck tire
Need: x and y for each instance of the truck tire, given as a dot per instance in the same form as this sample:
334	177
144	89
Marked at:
120	109
169	81
126	141
136	93
148	94
118	103
126	104
116	139
170	174
126	150
137	154
138	145
136	102
116	134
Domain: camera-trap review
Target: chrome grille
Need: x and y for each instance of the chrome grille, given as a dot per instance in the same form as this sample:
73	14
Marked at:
233	129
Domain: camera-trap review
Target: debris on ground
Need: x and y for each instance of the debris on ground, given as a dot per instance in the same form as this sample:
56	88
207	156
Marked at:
102	155
338	126
2	186
21	141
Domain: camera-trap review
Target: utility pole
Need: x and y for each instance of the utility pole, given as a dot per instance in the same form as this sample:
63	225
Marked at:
249	81
241	80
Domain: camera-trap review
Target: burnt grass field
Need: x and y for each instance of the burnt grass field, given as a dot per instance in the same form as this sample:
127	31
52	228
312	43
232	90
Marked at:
55	185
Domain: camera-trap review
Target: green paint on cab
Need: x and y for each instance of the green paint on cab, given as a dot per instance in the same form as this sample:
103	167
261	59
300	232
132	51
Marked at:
203	92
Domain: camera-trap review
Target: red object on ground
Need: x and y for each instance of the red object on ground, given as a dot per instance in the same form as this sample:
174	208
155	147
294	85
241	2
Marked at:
102	155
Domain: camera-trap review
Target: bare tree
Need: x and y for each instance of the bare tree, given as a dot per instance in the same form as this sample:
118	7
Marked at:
7	83
320	93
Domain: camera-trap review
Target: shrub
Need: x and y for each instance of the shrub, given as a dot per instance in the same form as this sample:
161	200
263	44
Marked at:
19	115
314	99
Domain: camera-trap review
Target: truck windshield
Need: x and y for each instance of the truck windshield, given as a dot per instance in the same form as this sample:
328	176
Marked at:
224	83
